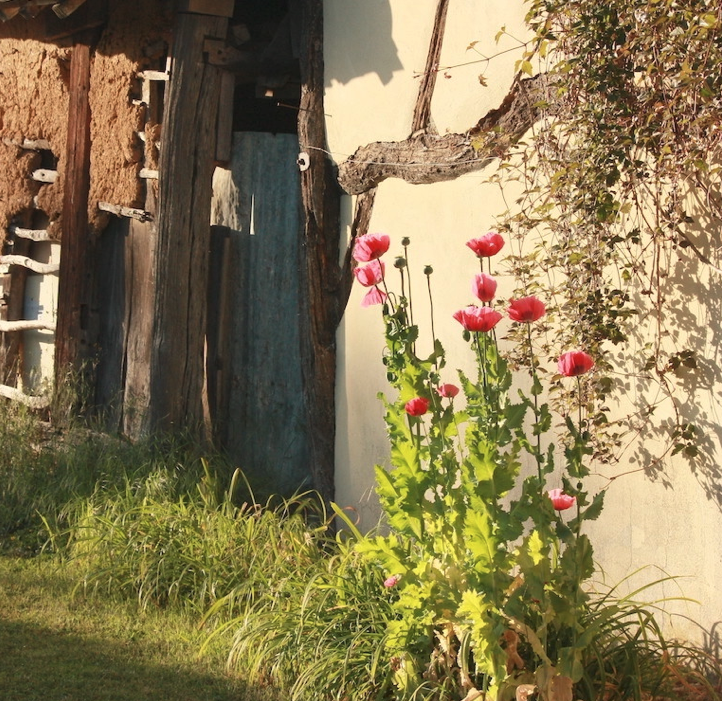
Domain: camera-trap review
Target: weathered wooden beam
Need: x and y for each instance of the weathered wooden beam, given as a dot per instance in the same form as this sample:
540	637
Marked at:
30	234
177	371
74	219
18	395
130	212
422	110
31	264
320	274
426	158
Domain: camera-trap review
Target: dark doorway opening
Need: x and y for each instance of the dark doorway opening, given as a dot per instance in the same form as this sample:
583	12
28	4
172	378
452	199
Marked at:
265	36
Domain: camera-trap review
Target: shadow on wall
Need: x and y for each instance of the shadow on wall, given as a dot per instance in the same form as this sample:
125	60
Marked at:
691	333
368	46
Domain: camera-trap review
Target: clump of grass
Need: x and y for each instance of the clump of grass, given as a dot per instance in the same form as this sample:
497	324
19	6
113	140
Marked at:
162	545
315	634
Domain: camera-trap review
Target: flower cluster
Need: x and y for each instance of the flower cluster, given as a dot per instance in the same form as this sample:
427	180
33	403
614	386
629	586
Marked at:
463	498
474	319
523	310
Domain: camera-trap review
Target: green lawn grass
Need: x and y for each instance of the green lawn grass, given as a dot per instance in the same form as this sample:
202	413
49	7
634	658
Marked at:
56	646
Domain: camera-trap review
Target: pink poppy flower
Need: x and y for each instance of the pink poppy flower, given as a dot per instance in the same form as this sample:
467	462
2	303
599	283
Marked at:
526	309
560	500
484	287
370	246
574	363
448	391
487	245
374	296
478	318
371	274
392	581
417	406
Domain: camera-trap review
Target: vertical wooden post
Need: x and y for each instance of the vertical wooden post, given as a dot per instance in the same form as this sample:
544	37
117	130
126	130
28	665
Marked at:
320	274
184	204
74	219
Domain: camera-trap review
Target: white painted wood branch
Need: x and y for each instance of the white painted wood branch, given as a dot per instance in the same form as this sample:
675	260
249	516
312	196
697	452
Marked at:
30	264
32	234
29	144
19	396
44	175
153	75
120	211
427	158
26	325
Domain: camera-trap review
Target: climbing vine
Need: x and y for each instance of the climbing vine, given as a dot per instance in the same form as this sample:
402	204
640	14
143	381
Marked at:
621	198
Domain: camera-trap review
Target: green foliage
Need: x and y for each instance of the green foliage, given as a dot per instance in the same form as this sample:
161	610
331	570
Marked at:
621	183
490	576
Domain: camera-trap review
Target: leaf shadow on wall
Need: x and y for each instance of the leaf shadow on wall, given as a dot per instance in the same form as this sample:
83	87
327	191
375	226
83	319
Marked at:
690	332
368	46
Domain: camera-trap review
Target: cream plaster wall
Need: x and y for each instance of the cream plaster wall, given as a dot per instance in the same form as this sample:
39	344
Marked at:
670	518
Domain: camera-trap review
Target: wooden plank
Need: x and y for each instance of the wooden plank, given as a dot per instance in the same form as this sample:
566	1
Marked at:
44	175
225	117
321	312
69	346
30	264
28	400
139	291
148	174
177	370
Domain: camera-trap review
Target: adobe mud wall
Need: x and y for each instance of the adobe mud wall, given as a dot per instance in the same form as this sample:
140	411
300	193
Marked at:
34	106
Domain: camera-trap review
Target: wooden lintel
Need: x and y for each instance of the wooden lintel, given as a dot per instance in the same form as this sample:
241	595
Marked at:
30	264
18	395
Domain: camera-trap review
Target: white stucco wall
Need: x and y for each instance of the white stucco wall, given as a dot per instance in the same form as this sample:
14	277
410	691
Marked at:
374	49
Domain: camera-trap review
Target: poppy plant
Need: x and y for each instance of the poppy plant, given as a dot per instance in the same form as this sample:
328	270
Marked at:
370	247
561	501
574	363
373	296
417	406
371	274
487	245
448	391
526	309
478	318
392	581
484	287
